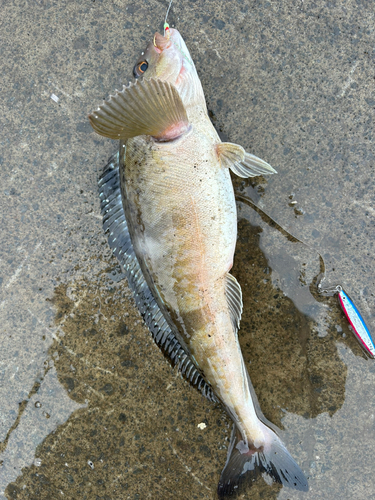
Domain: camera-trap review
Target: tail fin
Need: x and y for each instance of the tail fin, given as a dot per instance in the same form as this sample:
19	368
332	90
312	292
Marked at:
244	464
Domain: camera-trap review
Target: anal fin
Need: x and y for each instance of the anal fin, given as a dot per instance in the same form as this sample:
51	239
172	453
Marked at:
148	107
240	162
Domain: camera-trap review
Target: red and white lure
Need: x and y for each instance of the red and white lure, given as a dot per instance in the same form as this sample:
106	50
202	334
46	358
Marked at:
358	326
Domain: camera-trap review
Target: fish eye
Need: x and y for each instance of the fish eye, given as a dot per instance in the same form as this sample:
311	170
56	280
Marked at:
140	68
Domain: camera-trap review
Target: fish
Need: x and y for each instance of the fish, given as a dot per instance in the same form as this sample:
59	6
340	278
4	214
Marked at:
169	211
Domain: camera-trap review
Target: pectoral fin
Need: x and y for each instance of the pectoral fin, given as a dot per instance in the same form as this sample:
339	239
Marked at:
241	163
147	107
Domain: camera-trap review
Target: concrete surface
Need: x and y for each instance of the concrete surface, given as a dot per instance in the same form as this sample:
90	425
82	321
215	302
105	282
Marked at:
90	408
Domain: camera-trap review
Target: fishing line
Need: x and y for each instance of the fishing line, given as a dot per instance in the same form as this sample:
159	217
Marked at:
166	25
167	35
356	322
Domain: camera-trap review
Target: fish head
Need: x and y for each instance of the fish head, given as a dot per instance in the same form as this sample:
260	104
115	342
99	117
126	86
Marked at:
166	58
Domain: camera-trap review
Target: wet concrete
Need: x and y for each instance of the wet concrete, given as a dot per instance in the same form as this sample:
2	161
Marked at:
90	408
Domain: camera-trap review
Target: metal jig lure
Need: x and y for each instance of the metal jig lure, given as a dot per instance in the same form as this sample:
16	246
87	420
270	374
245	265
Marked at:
358	326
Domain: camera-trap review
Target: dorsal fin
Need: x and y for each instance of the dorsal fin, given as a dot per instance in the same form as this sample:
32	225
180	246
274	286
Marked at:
233	294
147	107
114	223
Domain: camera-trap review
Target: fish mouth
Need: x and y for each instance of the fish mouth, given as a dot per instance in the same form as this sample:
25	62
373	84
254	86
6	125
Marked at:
161	42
